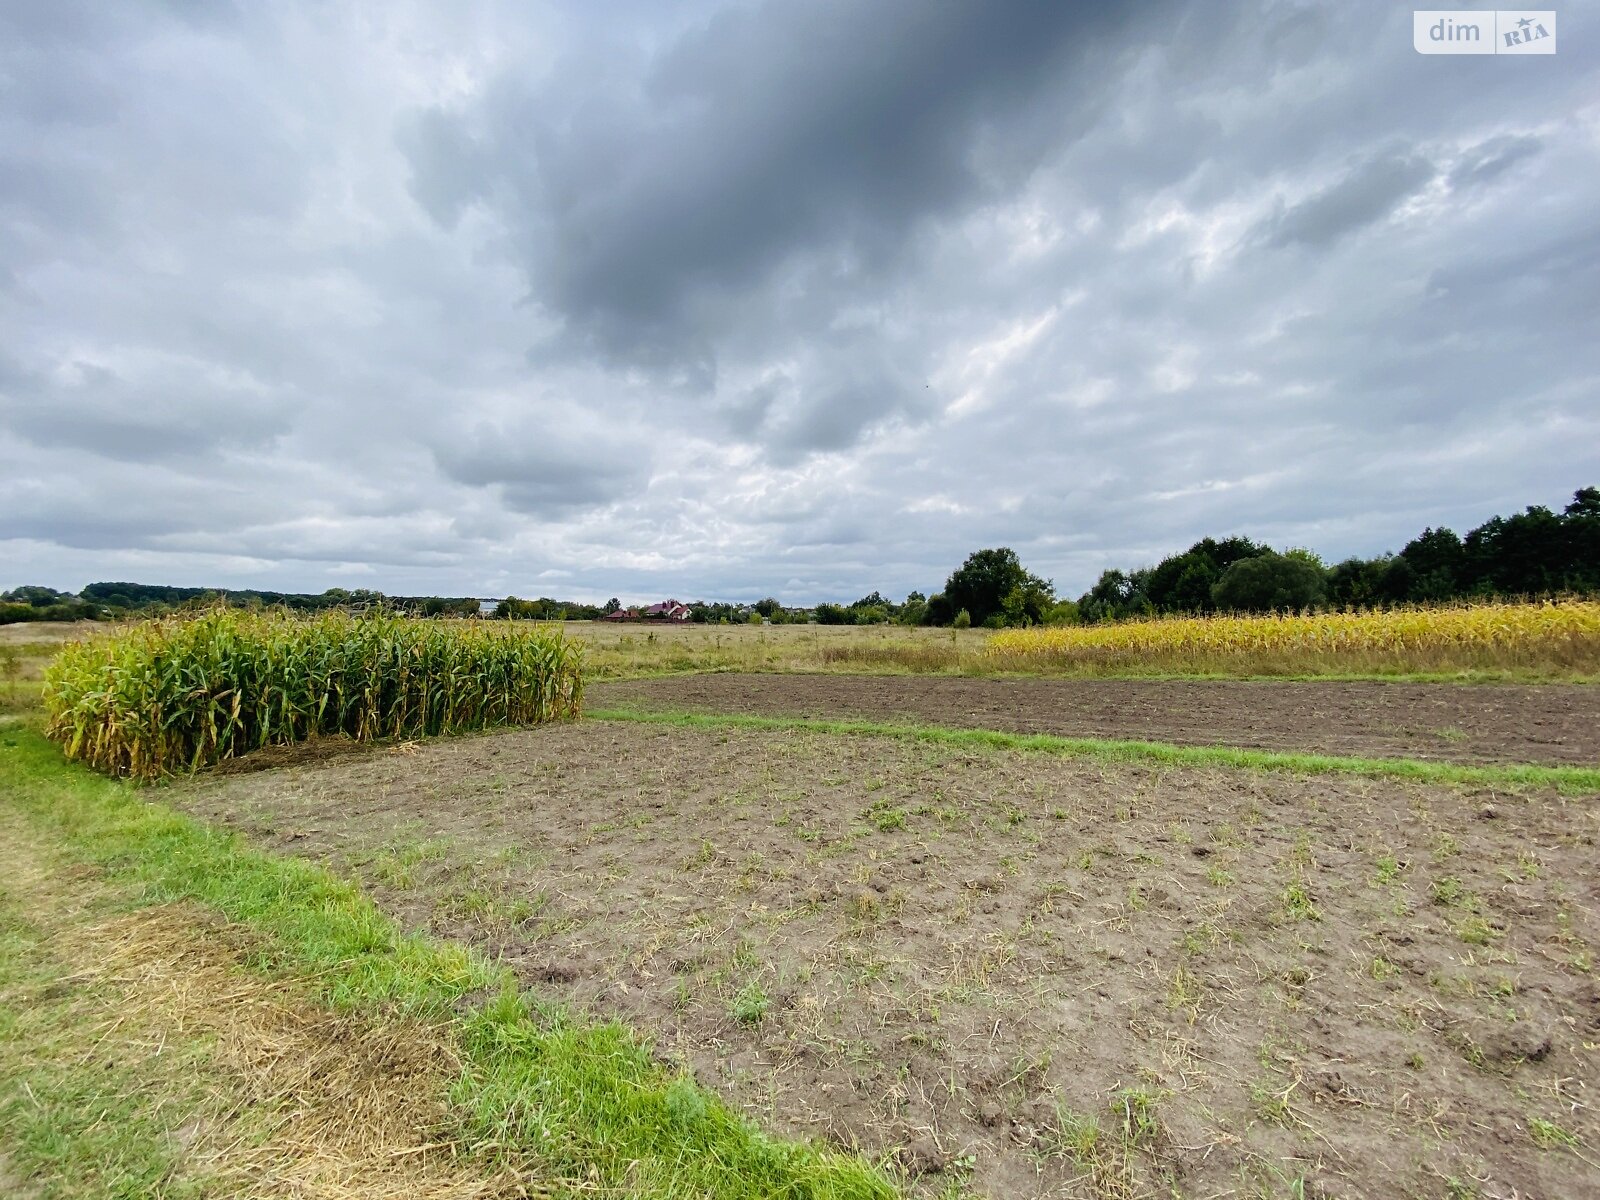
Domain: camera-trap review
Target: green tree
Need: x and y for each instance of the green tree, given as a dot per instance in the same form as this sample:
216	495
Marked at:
982	584
1521	555
1270	583
1115	596
1438	561
834	614
769	607
914	611
1581	522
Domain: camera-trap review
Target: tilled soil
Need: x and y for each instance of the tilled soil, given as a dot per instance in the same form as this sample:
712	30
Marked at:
1013	974
1555	723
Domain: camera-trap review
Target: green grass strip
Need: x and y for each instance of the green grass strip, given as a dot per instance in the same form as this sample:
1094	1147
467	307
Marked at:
1570	781
584	1099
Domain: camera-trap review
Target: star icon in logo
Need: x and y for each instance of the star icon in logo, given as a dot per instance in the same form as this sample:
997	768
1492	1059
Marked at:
1524	23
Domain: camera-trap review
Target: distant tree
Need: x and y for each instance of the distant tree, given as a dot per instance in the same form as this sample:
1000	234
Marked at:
914	611
1521	555
874	600
769	607
834	614
36	596
1358	582
1304	555
1183	582
1115	596
610	606
1581	523
982	584
1437	562
940	610
963	620
1062	612
1026	604
1269	583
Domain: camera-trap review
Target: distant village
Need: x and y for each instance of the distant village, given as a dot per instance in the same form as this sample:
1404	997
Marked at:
670	611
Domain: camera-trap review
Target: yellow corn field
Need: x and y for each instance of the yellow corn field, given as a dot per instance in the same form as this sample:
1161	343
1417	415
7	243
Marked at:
1559	637
176	694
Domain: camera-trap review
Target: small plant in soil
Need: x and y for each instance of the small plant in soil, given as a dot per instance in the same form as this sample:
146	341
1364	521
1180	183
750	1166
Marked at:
1549	1135
1136	1107
750	1004
1298	905
1389	868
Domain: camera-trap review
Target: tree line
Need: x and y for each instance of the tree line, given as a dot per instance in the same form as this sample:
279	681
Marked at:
1536	552
104	601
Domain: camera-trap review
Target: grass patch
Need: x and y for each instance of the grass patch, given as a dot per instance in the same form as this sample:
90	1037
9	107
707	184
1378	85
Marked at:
1567	780
69	1115
583	1099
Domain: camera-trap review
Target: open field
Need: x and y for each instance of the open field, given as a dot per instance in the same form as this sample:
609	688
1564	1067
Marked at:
1526	644
1444	722
1017	974
626	651
1112	969
46	633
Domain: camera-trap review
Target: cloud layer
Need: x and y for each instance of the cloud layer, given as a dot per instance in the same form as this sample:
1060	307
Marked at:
811	299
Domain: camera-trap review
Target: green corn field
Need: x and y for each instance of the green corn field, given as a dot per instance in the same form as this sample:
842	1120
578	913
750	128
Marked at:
178	694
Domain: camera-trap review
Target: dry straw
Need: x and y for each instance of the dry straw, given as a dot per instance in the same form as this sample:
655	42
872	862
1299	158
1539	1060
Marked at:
178	694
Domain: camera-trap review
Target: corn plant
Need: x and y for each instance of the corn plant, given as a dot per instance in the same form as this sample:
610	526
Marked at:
1553	636
181	693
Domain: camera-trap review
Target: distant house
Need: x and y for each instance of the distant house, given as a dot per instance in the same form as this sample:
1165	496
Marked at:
667	610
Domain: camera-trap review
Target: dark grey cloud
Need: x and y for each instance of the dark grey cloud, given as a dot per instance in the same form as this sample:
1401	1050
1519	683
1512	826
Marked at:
1367	193
814	138
738	297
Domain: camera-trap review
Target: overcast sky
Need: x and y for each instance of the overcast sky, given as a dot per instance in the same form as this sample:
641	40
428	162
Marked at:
799	298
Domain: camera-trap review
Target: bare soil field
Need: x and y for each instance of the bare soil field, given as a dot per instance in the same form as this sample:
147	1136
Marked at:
1483	723
1019	975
